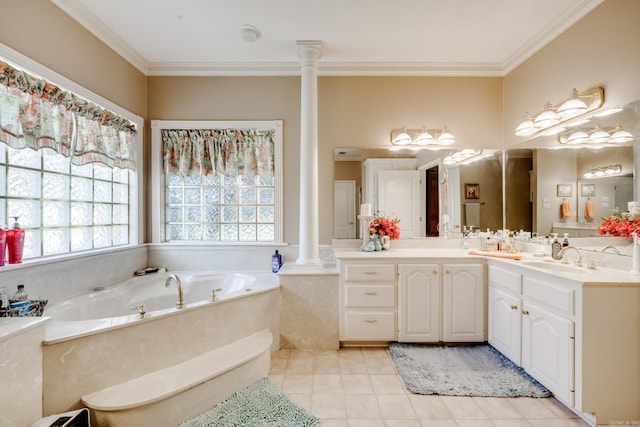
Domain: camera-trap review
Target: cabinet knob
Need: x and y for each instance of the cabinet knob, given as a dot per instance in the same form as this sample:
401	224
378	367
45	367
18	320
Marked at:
435	272
514	307
447	271
371	293
370	321
525	312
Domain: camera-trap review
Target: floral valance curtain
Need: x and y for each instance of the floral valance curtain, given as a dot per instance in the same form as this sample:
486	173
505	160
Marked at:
232	152
35	114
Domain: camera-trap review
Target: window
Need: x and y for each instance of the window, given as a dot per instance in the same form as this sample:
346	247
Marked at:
63	207
200	203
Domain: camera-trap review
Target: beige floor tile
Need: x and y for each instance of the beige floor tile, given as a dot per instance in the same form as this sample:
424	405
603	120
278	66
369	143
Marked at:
530	407
361	406
395	406
429	407
297	383
278	366
326	354
558	408
350	353
353	366
327	384
301	354
281	354
300	366
463	407
324	422
401	423
547	423
328	406
357	384
576	422
364	423
301	399
277	379
511	423
496	408
325	365
439	423
380	366
387	384
376	353
474	423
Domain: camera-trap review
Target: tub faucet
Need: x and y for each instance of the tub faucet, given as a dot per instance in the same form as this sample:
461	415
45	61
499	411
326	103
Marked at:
615	250
578	254
175	278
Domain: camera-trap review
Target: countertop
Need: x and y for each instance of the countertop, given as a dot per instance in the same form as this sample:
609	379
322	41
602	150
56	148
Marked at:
10	326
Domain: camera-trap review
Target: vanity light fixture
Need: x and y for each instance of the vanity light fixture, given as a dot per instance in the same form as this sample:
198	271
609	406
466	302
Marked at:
577	105
461	156
422	137
596	135
602	171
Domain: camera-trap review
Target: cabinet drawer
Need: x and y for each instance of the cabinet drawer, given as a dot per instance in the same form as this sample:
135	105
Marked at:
370	273
505	279
369	326
374	296
556	296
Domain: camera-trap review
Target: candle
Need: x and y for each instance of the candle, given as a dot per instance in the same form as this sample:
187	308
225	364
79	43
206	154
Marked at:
365	209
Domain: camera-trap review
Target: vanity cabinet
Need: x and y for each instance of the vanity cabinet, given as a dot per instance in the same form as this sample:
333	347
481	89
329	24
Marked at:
367	301
505	318
463	302
419	295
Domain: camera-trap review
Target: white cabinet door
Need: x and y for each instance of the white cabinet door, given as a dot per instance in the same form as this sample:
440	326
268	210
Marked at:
463	306
548	350
399	196
344	209
505	323
419	303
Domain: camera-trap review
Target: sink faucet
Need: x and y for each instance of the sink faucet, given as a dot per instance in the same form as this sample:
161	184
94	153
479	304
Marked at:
615	250
578	254
175	278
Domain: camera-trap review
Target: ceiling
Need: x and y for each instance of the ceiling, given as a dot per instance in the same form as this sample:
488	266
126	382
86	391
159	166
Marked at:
360	37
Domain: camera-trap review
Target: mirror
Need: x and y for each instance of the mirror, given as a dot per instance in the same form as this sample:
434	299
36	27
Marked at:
527	196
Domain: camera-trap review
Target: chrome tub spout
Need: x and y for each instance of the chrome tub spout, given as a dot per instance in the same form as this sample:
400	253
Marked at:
176	279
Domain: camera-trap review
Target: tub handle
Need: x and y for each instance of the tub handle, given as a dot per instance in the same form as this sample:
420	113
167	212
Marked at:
141	310
213	294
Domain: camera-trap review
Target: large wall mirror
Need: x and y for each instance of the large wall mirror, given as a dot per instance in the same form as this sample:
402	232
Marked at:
520	188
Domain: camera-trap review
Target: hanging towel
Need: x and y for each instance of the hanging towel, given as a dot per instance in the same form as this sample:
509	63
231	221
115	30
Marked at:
589	209
565	210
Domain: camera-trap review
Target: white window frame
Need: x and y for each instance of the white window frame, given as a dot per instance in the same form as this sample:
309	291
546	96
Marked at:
158	177
136	205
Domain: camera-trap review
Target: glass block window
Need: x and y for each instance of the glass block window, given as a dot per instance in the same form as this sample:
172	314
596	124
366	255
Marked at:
220	208
62	207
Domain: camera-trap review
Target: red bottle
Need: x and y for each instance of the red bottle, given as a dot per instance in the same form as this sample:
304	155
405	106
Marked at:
15	242
3	245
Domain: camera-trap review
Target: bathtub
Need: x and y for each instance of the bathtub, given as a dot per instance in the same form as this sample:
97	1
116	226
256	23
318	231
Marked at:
97	339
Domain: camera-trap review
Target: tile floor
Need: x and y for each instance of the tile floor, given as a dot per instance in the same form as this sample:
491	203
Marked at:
355	387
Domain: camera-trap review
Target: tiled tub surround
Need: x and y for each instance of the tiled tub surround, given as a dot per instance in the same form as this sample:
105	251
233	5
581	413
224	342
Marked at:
85	363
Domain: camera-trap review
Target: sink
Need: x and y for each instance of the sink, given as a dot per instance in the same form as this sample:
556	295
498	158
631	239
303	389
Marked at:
554	266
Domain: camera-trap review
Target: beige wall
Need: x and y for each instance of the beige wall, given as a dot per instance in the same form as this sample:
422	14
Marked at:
603	48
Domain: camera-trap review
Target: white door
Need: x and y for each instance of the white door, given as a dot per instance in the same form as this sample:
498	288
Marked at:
419	303
399	196
548	350
505	323
463	302
344	209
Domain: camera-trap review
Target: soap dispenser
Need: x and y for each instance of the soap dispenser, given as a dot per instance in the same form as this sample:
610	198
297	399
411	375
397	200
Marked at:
15	242
556	247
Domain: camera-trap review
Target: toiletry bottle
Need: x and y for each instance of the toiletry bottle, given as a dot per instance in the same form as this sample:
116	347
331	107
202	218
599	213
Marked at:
15	242
555	247
21	294
565	240
4	299
3	245
276	262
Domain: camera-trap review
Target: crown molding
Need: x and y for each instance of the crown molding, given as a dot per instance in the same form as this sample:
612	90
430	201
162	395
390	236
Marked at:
81	14
552	30
324	69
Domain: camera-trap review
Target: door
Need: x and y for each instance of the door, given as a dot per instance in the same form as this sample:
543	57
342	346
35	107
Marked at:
344	209
548	350
399	196
433	202
505	323
463	302
419	302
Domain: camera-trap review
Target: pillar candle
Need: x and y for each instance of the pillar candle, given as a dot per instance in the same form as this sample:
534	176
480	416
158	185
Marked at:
365	209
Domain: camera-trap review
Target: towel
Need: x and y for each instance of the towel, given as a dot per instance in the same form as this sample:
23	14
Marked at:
589	209
497	254
565	210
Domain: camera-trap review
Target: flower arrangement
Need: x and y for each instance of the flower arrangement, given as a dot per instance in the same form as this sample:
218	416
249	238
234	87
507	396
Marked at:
384	226
619	225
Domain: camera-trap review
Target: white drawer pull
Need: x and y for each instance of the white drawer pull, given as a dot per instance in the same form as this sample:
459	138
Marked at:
371	293
370	272
370	321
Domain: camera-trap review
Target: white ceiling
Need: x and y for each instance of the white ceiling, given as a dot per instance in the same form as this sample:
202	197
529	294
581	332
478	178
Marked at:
360	37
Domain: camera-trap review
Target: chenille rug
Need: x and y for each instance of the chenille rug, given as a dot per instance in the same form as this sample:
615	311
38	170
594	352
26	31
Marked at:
262	404
462	370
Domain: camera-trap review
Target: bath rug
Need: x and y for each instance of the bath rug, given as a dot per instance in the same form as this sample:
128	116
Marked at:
262	404
462	370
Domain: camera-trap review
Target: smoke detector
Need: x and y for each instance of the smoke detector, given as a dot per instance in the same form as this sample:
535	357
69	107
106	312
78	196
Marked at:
249	33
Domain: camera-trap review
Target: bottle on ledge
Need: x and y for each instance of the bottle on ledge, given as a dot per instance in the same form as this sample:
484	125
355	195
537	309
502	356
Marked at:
15	242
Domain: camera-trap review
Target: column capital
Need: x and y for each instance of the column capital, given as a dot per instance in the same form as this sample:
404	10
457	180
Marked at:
309	51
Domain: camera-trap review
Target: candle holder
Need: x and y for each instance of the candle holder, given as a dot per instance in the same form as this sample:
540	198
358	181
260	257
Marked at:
365	220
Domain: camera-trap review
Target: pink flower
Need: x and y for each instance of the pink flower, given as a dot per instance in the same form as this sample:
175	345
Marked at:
384	226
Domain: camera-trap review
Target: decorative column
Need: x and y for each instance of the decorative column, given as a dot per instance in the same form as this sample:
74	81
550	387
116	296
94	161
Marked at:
309	52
